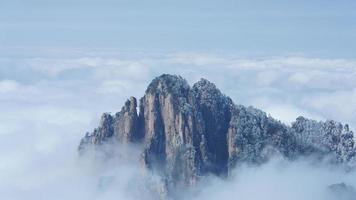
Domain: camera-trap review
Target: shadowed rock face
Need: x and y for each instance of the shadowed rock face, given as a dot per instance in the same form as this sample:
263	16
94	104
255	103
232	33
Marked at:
215	109
188	132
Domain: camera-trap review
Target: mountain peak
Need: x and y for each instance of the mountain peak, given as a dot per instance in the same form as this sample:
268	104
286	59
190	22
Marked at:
208	93
167	83
189	132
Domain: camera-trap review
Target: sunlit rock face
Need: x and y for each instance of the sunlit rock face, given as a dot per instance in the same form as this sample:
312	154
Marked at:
123	126
188	132
173	129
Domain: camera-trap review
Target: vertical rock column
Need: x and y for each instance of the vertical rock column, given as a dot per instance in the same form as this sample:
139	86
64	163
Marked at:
127	123
171	134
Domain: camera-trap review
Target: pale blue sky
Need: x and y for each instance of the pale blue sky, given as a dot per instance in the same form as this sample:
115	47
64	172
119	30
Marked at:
323	28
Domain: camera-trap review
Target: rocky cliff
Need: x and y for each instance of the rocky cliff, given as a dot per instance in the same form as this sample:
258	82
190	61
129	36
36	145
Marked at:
188	132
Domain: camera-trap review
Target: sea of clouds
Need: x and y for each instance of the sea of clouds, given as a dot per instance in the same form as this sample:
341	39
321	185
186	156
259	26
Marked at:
49	100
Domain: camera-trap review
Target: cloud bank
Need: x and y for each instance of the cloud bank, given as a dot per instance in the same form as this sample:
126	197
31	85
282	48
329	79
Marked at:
47	104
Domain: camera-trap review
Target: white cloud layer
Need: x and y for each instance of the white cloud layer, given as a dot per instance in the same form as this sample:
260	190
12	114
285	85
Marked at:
278	179
48	103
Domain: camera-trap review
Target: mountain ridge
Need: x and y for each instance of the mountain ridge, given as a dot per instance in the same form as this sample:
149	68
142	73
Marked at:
190	132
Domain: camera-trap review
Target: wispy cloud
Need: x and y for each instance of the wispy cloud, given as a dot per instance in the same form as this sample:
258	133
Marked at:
298	83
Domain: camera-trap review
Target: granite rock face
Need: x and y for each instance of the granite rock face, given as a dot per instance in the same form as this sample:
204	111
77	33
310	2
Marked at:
124	127
172	126
188	132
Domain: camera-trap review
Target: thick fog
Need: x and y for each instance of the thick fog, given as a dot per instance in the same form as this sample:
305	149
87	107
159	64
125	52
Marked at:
64	175
48	103
278	179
